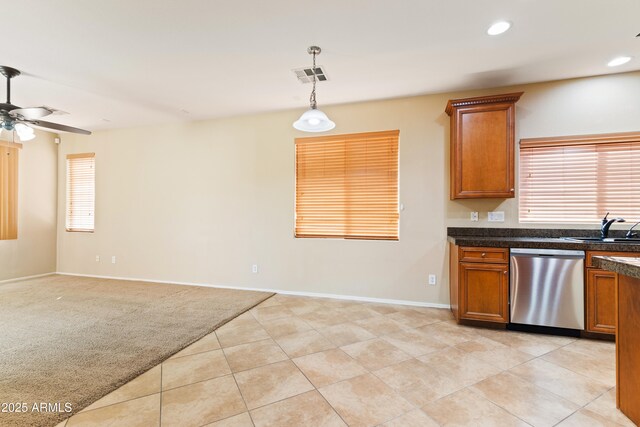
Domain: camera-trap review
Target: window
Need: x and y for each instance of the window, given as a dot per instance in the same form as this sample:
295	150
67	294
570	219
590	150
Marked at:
579	179
347	186
81	187
9	190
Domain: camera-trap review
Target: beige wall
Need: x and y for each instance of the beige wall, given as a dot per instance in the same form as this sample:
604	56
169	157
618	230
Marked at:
34	252
202	202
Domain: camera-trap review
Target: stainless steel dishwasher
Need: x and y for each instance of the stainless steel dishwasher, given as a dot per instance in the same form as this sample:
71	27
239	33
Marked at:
547	288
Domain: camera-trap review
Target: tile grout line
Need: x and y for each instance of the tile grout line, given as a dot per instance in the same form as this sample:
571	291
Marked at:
161	367
540	357
589	403
448	346
316	389
568	368
405	328
470	385
497	405
197	352
300	370
84	411
507	371
414	329
236	382
243	399
561	367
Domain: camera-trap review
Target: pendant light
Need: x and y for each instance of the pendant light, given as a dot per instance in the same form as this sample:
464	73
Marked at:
313	120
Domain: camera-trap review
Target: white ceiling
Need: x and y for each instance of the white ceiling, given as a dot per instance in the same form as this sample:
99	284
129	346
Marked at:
118	63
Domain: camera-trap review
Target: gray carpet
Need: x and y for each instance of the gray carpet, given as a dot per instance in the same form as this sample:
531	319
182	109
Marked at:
75	339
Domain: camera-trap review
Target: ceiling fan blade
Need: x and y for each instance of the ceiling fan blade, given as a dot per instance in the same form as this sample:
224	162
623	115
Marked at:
7	107
32	113
56	126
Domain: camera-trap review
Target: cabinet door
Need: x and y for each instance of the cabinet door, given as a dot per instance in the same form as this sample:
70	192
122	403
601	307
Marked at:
482	146
484	292
601	289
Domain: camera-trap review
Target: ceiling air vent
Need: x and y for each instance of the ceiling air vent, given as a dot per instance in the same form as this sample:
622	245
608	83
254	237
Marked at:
305	75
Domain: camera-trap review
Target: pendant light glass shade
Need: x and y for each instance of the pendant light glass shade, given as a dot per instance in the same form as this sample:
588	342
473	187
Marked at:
314	120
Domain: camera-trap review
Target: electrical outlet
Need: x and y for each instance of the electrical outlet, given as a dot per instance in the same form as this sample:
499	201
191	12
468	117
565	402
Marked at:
113	259
254	268
474	216
97	258
496	216
432	279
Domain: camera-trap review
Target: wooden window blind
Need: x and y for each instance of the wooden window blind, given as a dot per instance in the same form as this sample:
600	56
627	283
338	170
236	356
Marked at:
579	179
81	184
9	190
347	186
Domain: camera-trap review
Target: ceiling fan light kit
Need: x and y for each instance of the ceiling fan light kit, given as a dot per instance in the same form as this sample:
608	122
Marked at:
314	120
21	120
25	133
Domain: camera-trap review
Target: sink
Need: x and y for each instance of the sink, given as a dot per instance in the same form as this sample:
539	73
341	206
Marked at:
601	240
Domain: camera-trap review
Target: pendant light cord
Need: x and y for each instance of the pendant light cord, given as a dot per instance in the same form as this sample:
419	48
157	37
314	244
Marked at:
312	98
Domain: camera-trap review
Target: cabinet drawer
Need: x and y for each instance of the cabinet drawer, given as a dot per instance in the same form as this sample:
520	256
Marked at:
490	255
590	254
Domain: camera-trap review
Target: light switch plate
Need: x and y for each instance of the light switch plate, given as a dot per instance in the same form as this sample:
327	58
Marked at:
496	216
474	216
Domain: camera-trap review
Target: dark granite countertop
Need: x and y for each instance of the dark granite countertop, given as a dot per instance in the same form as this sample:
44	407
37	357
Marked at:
536	238
628	266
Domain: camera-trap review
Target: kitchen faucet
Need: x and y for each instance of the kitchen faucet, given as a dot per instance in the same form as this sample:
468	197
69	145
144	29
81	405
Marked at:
606	224
630	234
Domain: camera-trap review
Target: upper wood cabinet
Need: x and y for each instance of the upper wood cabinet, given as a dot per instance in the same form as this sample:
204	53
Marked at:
482	146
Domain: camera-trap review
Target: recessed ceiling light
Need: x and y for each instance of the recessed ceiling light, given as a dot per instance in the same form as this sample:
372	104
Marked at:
619	61
498	28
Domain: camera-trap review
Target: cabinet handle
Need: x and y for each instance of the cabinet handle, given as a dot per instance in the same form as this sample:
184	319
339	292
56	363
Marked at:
512	189
484	254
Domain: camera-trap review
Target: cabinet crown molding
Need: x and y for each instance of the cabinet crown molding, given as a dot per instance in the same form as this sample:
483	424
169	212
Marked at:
478	100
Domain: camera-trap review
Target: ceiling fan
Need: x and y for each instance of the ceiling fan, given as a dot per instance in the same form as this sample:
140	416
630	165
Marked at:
21	120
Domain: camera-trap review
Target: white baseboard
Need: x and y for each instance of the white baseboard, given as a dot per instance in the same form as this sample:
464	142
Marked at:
277	291
35	276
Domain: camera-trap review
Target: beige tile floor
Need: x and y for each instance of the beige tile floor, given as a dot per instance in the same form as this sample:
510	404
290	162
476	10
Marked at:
295	361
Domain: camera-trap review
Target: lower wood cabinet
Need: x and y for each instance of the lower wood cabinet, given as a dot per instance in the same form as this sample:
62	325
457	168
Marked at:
484	292
479	287
480	283
628	347
600	291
